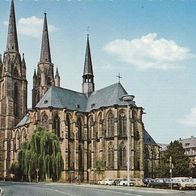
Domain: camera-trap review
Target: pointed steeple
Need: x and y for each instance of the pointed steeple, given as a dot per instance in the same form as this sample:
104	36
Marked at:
45	56
12	40
23	61
57	78
88	69
88	85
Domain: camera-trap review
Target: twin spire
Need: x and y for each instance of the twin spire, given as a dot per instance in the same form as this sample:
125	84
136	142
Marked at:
12	40
45	56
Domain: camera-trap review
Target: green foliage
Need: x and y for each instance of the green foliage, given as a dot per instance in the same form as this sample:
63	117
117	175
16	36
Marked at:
41	152
179	159
99	166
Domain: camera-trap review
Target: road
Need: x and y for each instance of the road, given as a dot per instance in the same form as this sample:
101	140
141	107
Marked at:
54	189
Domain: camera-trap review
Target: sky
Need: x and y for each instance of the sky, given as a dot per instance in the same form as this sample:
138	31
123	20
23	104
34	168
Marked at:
151	43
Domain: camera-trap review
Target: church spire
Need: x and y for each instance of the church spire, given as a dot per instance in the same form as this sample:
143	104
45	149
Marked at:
45	56
88	70
88	77
57	78
12	40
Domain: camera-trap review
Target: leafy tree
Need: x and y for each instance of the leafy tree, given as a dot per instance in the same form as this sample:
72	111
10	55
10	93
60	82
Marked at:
99	167
179	159
41	155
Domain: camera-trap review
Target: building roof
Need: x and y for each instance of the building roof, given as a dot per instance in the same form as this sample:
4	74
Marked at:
24	121
148	139
58	97
188	142
63	98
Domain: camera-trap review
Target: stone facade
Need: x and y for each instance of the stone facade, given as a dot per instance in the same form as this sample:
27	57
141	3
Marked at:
88	137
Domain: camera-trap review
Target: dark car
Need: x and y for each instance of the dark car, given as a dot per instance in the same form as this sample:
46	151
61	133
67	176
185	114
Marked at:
159	183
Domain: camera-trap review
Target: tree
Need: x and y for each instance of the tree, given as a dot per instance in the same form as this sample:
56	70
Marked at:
41	155
99	167
179	159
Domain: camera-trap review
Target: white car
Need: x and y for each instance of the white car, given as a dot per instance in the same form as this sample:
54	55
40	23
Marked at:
107	181
101	181
184	182
124	182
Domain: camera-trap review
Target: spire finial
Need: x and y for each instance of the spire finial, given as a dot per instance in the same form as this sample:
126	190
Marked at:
45	47
88	31
57	72
119	77
12	40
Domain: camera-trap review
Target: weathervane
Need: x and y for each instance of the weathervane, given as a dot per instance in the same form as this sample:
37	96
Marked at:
119	77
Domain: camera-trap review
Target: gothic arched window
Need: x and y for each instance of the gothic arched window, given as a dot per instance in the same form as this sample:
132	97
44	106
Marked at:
68	127
16	99
56	125
122	156
80	158
122	125
100	129
45	120
91	128
110	156
110	125
79	124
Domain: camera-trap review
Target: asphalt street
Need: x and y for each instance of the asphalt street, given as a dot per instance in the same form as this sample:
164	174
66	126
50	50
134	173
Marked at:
60	189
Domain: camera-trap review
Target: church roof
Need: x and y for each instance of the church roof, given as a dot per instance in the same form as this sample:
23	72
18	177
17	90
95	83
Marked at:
148	139
63	98
24	121
107	96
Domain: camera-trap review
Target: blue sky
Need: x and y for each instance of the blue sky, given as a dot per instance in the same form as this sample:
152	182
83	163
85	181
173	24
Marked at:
152	44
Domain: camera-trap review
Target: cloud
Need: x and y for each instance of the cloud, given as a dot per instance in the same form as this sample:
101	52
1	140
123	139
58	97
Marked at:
149	52
31	26
189	119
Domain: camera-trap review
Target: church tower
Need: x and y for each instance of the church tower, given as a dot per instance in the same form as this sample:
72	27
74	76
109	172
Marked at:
88	85
13	91
43	79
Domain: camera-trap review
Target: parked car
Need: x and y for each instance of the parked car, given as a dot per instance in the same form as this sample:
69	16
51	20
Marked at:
184	182
158	183
117	181
124	182
101	181
146	181
106	181
109	181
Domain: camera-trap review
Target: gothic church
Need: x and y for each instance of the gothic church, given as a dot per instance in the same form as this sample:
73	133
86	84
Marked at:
91	125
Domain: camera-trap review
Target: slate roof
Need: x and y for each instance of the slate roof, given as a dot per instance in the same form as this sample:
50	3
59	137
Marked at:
63	98
24	121
58	97
148	139
188	142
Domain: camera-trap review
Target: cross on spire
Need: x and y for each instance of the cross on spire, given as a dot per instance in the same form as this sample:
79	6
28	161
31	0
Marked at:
119	77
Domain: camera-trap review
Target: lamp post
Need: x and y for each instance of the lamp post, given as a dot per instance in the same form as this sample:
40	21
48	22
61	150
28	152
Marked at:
37	170
128	99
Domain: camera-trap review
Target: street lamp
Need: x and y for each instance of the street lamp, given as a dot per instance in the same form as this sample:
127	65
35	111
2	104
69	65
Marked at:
37	170
128	99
